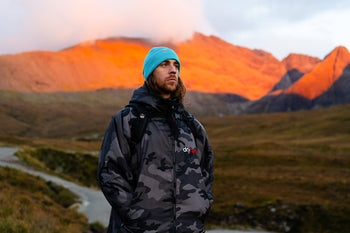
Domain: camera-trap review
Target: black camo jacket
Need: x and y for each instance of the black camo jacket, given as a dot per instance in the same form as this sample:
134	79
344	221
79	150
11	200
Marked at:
161	184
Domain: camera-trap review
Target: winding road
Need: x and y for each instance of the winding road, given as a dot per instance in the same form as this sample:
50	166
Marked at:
93	203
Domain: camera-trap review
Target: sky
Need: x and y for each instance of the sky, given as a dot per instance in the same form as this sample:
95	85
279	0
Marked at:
280	27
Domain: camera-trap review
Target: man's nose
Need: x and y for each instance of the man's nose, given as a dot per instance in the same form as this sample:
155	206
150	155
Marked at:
173	69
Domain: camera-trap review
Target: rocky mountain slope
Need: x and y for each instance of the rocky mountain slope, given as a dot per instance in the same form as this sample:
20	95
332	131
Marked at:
255	78
327	84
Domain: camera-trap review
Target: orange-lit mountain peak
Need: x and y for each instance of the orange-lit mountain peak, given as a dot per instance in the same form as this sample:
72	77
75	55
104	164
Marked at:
208	64
340	57
213	65
338	52
323	75
302	63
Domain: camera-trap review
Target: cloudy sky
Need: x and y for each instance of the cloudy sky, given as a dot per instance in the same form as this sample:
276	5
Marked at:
312	27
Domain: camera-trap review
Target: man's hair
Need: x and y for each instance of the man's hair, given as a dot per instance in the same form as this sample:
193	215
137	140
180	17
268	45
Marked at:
179	93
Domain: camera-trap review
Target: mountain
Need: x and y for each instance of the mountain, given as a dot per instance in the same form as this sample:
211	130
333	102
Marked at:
327	84
213	65
322	76
302	63
297	65
102	64
209	65
338	93
242	79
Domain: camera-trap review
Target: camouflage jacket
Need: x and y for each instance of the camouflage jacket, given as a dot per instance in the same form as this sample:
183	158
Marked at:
163	183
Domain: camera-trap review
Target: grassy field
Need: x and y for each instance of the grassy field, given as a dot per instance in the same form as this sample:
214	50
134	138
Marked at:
292	168
284	172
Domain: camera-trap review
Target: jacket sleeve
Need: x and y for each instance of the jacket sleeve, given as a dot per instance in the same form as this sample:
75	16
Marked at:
207	160
209	157
114	173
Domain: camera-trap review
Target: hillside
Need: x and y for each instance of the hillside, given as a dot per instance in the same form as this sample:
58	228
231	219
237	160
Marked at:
83	113
29	204
287	171
284	172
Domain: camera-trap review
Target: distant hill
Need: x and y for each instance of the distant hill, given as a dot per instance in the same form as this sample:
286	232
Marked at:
252	80
67	114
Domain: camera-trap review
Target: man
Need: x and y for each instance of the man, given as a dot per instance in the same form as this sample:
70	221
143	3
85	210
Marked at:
160	182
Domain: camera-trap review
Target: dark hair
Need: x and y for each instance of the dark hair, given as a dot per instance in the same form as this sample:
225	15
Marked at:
179	93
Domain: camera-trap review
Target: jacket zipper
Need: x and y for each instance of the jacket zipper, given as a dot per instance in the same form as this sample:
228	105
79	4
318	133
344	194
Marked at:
174	172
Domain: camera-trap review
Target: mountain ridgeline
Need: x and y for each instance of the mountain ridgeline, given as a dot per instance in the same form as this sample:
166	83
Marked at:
229	79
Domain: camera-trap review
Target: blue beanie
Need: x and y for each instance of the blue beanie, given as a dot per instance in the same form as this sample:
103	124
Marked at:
156	56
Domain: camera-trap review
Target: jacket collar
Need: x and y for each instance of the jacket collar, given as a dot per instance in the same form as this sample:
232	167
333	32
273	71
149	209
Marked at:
143	95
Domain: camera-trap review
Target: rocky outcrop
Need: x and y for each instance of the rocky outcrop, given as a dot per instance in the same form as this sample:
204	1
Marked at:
288	80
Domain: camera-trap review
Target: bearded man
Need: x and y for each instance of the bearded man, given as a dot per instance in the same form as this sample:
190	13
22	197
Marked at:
161	179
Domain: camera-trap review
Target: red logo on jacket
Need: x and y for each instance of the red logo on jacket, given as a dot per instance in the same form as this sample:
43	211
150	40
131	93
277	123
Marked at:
192	151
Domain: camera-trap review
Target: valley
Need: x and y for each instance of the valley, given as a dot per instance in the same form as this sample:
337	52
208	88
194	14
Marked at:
281	172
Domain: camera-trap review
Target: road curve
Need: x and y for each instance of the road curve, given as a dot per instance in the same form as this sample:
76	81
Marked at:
93	203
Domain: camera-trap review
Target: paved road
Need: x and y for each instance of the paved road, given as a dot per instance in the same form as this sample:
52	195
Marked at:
94	205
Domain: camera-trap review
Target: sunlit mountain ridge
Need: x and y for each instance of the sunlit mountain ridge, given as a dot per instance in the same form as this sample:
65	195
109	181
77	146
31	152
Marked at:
208	64
323	76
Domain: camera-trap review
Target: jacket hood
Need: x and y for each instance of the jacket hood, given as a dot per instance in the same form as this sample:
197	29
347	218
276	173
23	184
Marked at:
143	95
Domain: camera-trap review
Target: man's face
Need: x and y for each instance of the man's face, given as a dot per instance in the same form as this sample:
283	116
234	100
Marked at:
166	77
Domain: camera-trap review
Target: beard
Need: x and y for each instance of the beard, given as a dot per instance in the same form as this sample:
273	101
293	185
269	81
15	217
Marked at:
177	91
166	88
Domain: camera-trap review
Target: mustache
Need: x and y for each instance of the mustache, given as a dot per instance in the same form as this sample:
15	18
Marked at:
172	76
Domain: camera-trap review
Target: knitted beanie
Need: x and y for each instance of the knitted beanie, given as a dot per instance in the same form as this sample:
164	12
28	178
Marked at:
156	56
